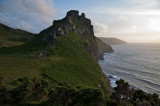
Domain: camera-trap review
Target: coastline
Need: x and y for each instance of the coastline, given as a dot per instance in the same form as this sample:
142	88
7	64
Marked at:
124	63
114	78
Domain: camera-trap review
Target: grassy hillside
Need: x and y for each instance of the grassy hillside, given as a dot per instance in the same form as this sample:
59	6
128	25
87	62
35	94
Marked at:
40	71
67	62
59	67
13	37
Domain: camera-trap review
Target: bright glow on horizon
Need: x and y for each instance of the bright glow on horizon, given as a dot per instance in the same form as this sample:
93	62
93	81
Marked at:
134	25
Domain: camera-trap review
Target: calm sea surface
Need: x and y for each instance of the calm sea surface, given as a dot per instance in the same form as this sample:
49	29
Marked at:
138	64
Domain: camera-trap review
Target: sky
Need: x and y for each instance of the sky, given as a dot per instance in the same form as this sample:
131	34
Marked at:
135	21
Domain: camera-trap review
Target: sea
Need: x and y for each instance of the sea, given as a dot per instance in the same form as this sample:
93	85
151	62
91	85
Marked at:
138	64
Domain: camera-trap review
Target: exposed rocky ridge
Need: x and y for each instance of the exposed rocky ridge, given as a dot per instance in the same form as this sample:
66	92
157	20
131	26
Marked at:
79	24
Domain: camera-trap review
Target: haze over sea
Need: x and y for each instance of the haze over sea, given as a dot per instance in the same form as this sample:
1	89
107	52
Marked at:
138	64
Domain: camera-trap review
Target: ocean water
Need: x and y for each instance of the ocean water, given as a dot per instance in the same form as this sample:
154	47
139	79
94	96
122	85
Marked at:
138	64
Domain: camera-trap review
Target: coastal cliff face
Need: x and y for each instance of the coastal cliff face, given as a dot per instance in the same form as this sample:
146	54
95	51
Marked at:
80	25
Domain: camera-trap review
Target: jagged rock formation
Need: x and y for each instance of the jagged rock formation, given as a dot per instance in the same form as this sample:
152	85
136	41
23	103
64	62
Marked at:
72	22
79	24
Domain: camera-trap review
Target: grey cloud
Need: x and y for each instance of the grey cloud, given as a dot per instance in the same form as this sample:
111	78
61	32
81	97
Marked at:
30	15
145	4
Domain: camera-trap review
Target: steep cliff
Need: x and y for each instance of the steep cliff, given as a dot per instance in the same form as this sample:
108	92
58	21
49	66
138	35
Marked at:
80	25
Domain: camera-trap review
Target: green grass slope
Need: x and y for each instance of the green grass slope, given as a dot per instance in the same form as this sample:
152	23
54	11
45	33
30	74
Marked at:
13	37
67	62
67	73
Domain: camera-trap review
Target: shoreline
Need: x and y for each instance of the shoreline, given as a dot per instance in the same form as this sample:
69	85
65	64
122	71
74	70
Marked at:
136	63
114	78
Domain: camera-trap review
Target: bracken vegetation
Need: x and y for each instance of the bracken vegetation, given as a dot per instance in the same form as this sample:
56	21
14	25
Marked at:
46	92
126	96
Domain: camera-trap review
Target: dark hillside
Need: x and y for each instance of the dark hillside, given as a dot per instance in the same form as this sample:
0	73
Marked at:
13	37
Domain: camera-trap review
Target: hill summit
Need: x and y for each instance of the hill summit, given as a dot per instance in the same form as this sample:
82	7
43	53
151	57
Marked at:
72	22
80	25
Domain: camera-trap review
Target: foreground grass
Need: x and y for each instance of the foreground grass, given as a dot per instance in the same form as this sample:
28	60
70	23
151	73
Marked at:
67	62
17	62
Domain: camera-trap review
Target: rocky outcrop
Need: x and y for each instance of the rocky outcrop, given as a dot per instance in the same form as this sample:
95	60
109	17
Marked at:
72	22
79	24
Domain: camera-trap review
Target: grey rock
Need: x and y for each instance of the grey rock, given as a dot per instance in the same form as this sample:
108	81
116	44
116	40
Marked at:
83	15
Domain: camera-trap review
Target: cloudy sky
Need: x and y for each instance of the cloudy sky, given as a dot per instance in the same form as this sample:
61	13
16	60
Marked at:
130	20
